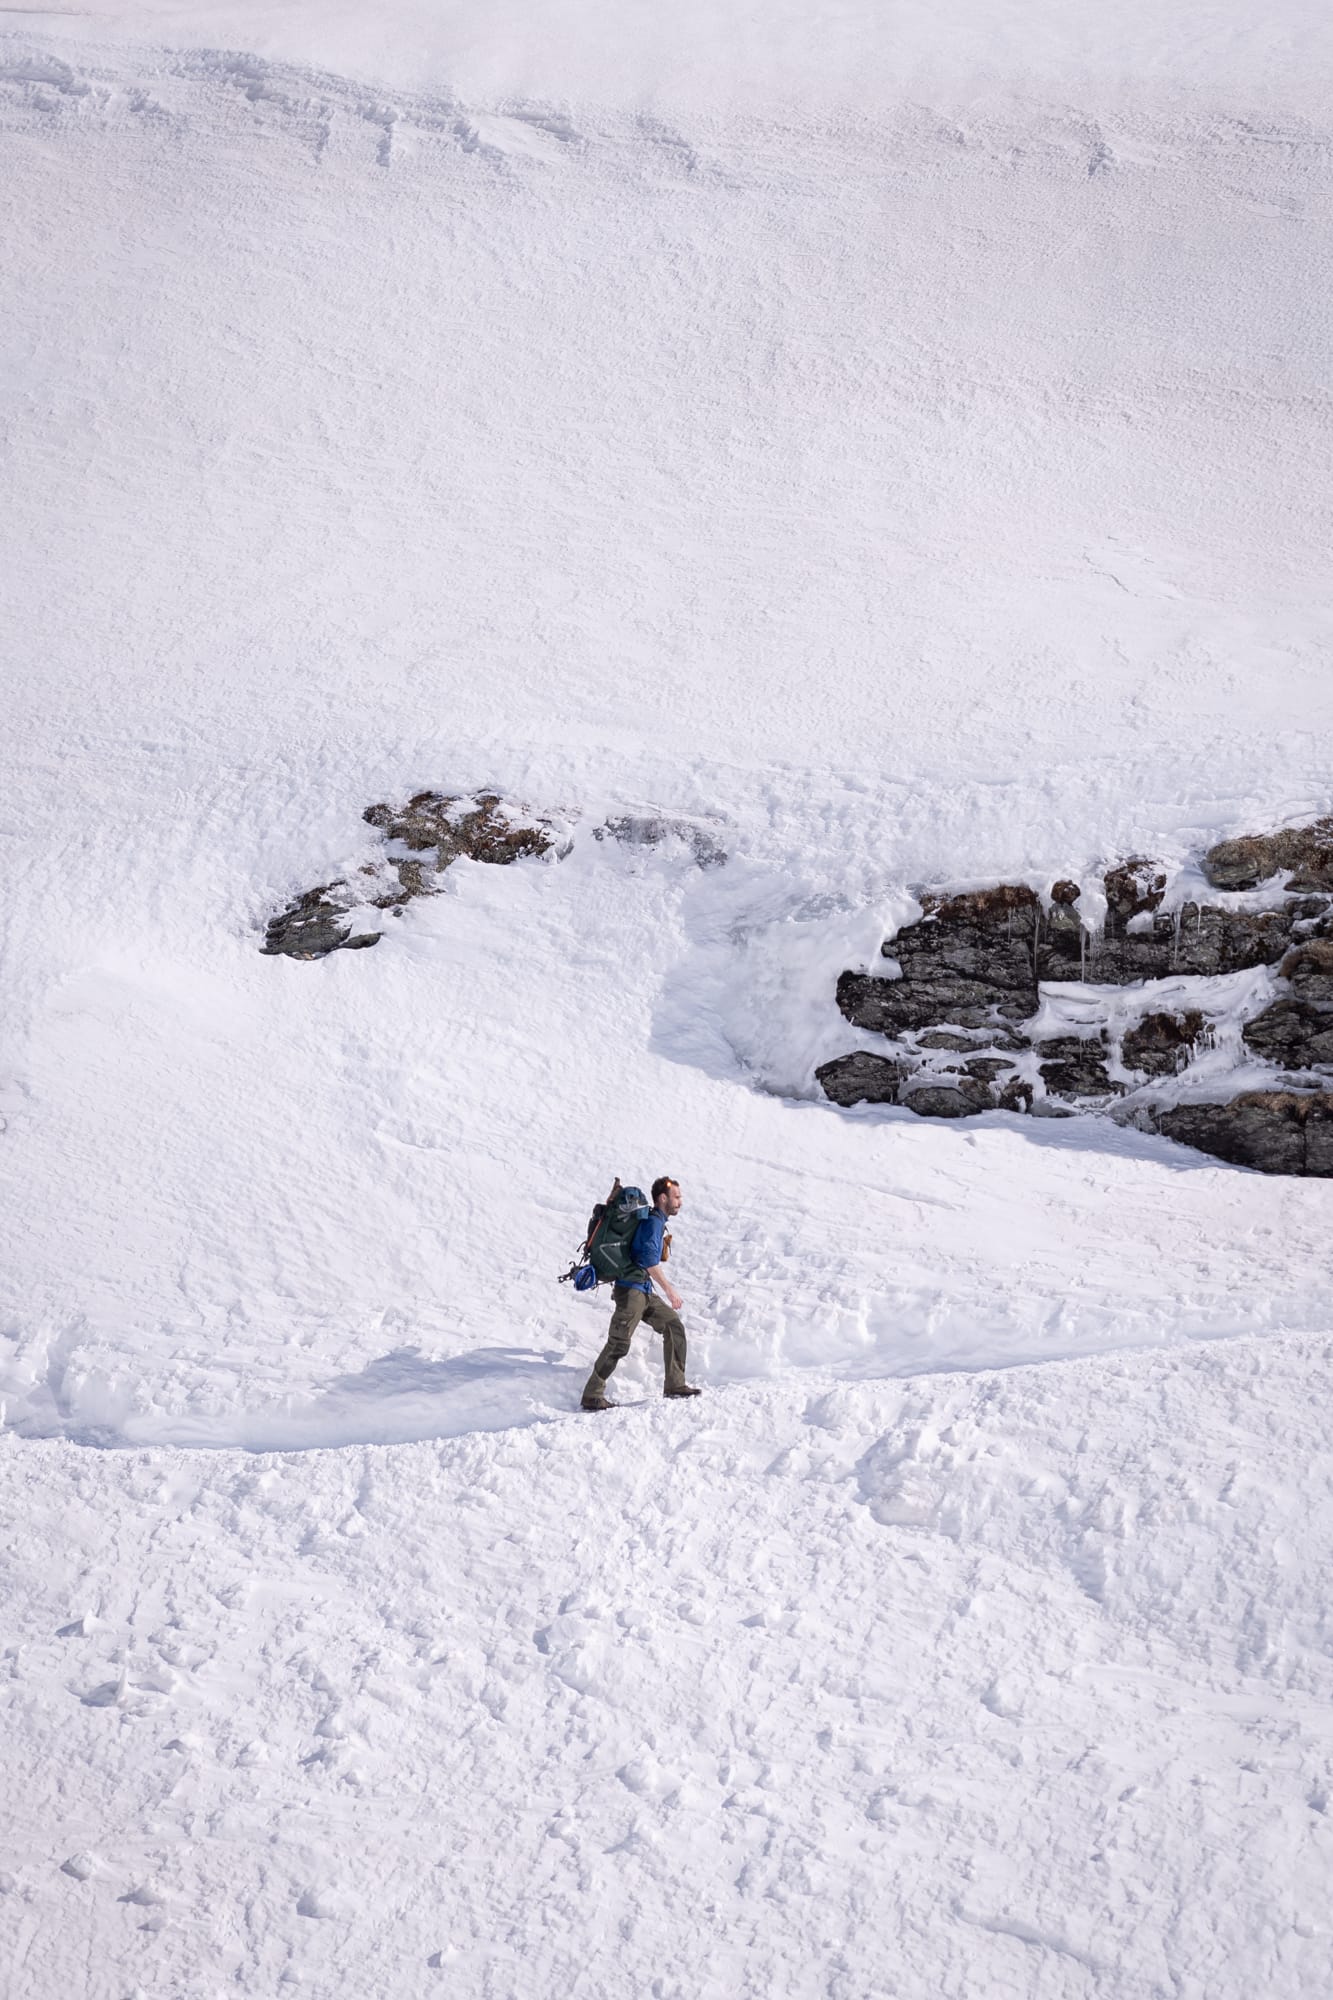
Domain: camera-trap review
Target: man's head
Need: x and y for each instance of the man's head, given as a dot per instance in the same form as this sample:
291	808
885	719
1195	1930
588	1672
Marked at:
666	1195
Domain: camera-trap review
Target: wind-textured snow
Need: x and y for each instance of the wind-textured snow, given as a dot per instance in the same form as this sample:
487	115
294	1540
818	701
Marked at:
901	448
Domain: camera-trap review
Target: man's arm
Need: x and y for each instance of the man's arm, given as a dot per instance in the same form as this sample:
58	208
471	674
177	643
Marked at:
648	1243
658	1277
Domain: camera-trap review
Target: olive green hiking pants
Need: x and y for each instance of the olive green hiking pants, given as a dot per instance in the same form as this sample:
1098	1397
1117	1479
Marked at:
631	1307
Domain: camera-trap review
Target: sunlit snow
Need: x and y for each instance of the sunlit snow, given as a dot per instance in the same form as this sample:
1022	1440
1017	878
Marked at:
898	443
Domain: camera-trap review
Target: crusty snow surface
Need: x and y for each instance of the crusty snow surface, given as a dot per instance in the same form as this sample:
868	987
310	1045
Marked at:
902	453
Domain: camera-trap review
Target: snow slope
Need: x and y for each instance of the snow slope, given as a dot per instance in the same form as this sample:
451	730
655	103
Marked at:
910	483
985	1684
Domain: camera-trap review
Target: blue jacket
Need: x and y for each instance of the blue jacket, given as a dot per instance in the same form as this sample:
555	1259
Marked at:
646	1248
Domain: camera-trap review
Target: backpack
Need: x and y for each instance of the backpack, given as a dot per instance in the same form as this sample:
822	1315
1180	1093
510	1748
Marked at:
606	1252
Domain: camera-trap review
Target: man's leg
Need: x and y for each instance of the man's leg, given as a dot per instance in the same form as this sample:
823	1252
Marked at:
629	1305
658	1315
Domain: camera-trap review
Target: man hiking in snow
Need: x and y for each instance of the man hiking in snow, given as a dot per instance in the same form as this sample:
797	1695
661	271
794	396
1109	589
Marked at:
635	1301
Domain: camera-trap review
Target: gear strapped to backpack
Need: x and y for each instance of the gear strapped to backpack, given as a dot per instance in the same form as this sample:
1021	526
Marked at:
606	1253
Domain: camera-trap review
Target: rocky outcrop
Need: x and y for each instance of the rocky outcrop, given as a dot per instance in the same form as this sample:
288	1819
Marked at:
959	1000
862	1079
1197	939
1275	1131
433	824
1256	857
977	959
1134	888
436	830
969	961
1161	1044
1297	1030
315	924
987	1083
957	1097
1073	1066
428	835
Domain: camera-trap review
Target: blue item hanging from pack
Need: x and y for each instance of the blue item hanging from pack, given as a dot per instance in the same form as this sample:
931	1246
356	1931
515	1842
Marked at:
606	1253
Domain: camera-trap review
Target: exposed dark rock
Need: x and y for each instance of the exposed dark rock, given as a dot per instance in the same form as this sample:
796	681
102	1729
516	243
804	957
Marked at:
1132	888
1198	939
1073	1067
861	1079
1241	864
1062	943
1309	969
1274	1131
413	879
960	1097
314	925
437	830
968	960
870	1079
1160	1044
1319	1136
970	971
651	829
976	960
457	826
979	1040
1290	1036
1297	1030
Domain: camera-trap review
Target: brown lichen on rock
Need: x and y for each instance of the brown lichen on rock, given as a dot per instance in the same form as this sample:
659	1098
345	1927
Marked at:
453	826
1133	888
436	830
1161	1044
1255	857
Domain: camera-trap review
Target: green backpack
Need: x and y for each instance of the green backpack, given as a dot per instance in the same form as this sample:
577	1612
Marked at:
606	1252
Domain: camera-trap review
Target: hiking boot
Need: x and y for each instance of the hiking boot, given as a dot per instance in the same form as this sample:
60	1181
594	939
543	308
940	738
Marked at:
684	1390
596	1403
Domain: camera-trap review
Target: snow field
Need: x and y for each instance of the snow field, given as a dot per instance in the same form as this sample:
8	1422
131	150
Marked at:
916	487
907	1689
